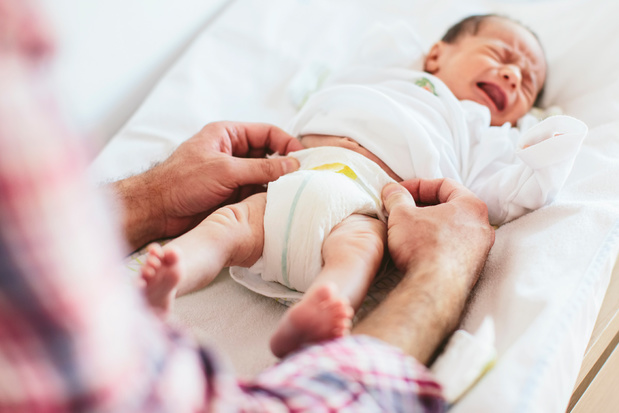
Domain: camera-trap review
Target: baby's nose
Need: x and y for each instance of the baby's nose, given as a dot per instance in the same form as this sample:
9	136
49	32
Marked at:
512	75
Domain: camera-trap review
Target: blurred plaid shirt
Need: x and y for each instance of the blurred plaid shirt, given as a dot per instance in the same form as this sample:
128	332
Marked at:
74	335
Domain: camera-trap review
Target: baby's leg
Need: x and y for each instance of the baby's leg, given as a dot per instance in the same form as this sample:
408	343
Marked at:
352	254
232	235
161	274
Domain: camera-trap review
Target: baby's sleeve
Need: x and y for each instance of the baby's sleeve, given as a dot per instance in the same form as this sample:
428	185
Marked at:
530	177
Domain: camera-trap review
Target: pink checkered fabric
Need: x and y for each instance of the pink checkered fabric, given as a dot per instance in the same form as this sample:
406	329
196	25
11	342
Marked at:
352	374
74	334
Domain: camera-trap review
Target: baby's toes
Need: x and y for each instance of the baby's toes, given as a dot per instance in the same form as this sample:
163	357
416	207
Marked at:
341	327
155	249
339	307
154	262
170	256
147	272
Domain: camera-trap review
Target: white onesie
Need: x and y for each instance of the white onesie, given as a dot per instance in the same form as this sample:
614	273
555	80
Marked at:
413	122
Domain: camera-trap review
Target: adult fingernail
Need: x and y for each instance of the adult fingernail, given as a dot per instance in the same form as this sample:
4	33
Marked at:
291	165
390	189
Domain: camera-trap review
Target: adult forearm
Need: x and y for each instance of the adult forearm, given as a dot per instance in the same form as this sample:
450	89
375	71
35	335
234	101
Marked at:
220	165
421	311
442	249
141	213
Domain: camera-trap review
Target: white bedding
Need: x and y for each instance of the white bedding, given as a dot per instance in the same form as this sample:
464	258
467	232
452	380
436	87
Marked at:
548	271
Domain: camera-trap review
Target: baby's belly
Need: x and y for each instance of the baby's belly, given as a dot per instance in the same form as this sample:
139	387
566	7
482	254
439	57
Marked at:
312	141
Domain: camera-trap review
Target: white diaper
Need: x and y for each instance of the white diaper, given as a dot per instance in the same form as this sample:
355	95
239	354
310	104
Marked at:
302	208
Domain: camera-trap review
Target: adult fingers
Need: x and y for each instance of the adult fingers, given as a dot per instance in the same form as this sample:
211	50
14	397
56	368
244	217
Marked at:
428	192
394	195
436	191
260	171
249	138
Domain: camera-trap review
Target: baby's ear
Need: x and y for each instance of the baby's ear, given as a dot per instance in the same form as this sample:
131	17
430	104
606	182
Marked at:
431	64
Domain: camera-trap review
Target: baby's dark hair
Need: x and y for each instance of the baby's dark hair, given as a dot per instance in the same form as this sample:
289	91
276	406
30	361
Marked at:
470	26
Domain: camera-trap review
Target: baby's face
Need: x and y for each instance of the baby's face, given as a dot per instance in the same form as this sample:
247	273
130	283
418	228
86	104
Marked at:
501	67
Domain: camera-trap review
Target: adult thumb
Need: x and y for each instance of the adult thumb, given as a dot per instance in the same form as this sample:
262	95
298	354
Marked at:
261	171
395	194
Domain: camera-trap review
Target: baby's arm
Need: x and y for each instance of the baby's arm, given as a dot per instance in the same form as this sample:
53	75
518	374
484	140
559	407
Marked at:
517	183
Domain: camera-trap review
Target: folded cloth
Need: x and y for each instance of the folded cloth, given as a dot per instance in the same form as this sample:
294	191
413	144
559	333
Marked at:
463	362
302	209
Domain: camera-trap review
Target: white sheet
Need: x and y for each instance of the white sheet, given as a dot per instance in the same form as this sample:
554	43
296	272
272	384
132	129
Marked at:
548	271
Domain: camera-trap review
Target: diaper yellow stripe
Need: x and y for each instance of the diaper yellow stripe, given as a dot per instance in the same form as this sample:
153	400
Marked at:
345	170
339	168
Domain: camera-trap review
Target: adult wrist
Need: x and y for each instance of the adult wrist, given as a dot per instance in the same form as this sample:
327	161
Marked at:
142	215
446	287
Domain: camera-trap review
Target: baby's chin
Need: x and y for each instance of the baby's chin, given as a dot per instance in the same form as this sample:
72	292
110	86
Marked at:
496	118
500	119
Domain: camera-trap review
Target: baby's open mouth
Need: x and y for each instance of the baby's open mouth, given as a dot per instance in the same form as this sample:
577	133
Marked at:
495	94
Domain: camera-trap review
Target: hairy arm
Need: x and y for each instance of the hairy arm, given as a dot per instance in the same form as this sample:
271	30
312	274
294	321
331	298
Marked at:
222	164
140	200
441	249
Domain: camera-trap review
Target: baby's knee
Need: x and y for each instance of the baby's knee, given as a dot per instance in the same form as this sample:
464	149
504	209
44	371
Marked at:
249	212
365	228
240	228
358	235
228	216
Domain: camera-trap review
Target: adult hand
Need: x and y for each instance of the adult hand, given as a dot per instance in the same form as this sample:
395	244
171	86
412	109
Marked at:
221	164
441	249
449	228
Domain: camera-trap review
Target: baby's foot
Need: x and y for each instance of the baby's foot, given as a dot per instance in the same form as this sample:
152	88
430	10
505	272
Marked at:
320	315
161	273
